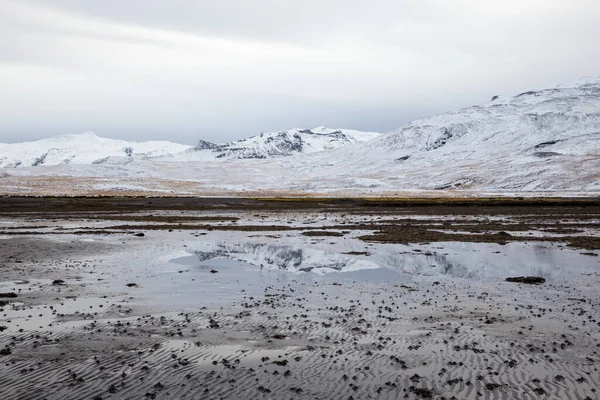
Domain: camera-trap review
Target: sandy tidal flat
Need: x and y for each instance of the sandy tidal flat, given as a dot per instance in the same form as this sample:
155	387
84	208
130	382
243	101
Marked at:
103	312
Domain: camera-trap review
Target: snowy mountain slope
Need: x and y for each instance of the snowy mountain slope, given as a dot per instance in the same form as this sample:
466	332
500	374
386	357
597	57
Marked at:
277	144
536	140
85	148
522	121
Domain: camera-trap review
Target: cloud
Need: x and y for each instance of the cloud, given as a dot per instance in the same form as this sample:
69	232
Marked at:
156	69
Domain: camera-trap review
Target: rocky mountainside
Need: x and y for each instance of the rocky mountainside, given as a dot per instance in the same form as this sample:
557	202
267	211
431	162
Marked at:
277	144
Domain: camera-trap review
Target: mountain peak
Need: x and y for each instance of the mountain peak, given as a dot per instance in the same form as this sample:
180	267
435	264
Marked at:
278	144
585	81
86	136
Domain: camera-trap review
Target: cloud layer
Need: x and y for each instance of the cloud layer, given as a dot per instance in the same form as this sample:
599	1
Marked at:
184	70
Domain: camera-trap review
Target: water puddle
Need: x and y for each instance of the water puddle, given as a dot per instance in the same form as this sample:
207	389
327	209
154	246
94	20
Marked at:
225	267
191	282
354	260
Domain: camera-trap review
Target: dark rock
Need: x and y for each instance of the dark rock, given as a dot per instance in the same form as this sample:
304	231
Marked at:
544	154
530	280
444	137
140	234
492	386
528	93
263	389
548	143
40	160
204	145
8	295
423	393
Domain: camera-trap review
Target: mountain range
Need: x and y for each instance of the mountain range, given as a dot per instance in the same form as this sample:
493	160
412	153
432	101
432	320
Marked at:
88	148
536	141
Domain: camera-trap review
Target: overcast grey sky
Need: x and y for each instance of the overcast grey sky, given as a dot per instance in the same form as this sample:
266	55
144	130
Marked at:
182	70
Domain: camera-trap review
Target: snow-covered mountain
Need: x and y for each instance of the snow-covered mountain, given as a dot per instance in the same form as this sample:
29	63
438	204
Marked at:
88	148
84	148
277	144
537	141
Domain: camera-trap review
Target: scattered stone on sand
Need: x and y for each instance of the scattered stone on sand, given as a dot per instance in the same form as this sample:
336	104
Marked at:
293	336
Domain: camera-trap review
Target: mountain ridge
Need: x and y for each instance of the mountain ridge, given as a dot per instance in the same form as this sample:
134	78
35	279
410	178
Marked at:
89	148
278	144
534	140
537	141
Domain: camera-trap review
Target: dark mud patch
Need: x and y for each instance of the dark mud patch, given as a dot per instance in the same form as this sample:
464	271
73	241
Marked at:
421	206
403	234
323	233
497	220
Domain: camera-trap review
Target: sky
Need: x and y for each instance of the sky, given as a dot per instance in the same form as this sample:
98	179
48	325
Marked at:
184	70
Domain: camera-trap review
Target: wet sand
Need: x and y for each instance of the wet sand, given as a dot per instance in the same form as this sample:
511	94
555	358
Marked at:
231	299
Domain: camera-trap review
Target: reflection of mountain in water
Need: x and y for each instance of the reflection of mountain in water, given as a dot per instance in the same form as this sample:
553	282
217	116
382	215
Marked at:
427	264
285	258
447	268
473	261
288	258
